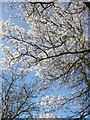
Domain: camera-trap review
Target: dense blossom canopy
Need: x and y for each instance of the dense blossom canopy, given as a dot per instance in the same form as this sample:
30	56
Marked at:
55	45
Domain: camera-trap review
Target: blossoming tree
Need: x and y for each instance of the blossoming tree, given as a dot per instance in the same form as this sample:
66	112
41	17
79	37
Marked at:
56	46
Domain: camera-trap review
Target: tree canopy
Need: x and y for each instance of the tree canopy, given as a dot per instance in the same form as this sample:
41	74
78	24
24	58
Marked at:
56	45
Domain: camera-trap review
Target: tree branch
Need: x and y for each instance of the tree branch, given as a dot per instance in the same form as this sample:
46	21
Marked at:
87	4
65	53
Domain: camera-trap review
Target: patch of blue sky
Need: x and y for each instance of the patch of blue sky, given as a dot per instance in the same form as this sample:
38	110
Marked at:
14	13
